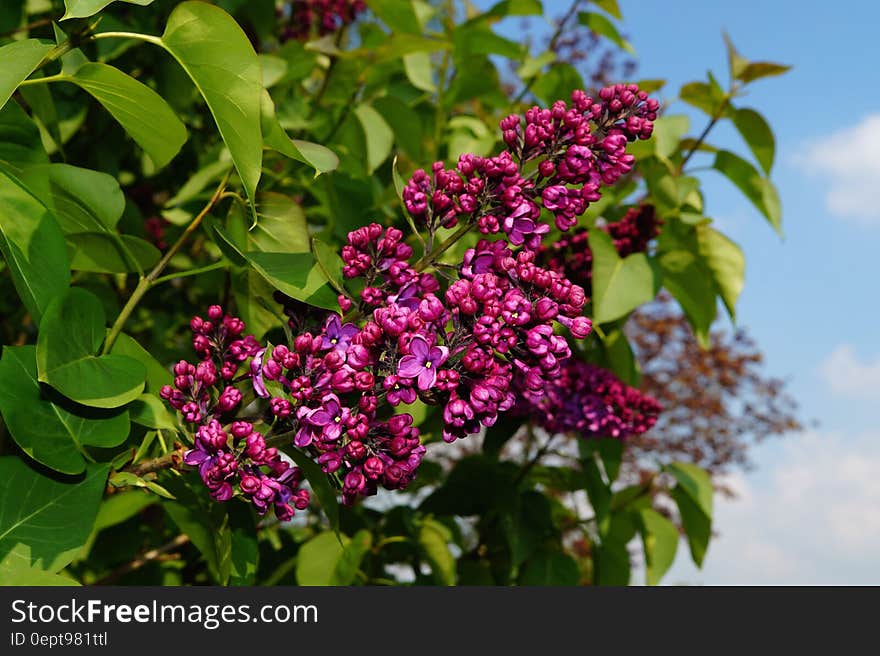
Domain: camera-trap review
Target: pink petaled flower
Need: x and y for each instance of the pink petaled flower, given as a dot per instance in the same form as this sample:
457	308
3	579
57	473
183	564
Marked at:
257	374
423	362
330	417
338	336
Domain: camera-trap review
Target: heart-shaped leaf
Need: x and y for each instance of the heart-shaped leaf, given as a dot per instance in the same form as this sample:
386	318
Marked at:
51	517
33	246
48	432
70	335
619	284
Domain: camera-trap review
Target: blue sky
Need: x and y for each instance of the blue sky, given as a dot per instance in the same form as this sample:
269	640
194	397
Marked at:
810	511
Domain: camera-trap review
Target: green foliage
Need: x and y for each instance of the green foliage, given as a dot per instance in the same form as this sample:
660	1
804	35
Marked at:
161	180
71	333
51	517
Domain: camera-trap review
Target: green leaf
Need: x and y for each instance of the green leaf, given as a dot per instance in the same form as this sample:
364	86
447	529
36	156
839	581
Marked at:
611	560
527	525
318	559
320	158
691	283
281	225
399	15
406	122
71	333
619	284
604	27
668	131
319	482
757	134
19	58
203	529
16	570
195	185
609	6
329	262
736	62
20	143
378	134
33	245
121	507
141	111
88	205
244	557
219	58
86	8
697	524
660	540
417	66
83	200
297	275
433	540
709	97
150	411
534	65
598	492
104	252
478	39
251	292
515	8
500	433
695	481
157	375
726	262
128	479
620	357
550	567
760	191
49	433
350	562
52	518
274	69
756	70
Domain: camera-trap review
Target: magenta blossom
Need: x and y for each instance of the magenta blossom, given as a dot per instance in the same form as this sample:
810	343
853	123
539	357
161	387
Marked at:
336	335
330	417
423	362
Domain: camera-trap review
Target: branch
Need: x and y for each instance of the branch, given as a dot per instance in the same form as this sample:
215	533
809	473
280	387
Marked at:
139	562
553	41
146	282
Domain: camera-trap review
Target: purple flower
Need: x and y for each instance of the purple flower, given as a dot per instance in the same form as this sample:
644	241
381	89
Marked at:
257	374
336	335
330	417
407	298
423	363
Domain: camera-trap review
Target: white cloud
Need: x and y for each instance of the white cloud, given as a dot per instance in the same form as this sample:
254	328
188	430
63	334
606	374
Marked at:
847	375
813	519
847	162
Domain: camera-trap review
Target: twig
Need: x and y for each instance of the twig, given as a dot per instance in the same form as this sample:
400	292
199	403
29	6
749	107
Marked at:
28	27
146	282
148	557
553	41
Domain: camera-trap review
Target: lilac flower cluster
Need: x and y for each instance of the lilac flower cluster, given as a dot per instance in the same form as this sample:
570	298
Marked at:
577	149
571	256
592	402
492	339
310	17
229	451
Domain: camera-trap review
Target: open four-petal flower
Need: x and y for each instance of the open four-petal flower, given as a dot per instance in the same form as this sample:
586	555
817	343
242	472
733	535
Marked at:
423	362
